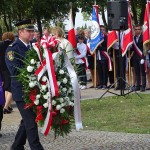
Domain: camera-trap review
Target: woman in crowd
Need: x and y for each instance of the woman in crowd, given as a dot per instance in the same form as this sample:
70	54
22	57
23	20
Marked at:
7	39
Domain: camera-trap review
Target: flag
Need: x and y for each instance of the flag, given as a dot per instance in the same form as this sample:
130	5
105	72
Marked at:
111	38
96	35
146	26
127	38
71	32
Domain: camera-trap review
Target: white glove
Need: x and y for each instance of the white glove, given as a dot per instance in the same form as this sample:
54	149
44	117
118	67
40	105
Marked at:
142	61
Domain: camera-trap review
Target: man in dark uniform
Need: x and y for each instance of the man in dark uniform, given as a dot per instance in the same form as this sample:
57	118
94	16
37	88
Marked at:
138	60
15	54
102	62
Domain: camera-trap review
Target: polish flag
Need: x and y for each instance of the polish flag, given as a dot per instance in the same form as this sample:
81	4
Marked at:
111	38
146	26
127	38
71	32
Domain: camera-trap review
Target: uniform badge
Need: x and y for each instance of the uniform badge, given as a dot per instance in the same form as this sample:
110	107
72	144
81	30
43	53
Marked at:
10	55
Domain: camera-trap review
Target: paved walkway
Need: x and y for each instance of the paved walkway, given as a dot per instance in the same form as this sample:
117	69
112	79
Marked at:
83	140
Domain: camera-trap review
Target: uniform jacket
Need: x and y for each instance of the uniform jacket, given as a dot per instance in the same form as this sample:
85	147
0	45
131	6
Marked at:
14	55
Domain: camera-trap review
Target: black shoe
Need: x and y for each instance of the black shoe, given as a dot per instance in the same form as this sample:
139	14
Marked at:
0	135
6	111
89	80
91	87
10	109
142	89
99	87
104	87
137	88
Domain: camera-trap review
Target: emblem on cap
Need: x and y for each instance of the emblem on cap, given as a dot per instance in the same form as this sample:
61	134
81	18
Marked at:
10	55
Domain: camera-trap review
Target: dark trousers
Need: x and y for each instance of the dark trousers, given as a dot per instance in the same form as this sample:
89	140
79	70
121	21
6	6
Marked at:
111	77
140	73
27	130
102	66
1	116
81	71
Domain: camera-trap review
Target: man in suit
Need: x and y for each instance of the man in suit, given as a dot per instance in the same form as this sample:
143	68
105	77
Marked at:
15	54
138	59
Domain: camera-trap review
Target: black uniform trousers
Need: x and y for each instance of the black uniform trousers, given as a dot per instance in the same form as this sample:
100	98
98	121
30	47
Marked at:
139	73
102	66
1	115
27	130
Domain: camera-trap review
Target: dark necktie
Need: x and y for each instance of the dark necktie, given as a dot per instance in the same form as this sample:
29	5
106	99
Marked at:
28	46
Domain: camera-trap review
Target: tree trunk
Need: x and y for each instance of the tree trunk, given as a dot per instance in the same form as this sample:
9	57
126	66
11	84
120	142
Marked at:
133	7
10	21
5	22
39	25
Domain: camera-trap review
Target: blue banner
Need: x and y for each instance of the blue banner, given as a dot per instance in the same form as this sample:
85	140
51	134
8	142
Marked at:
96	35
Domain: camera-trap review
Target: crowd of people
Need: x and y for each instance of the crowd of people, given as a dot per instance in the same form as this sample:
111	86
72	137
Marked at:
105	77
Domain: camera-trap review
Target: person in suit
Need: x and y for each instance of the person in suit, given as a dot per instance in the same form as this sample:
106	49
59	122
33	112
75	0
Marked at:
138	60
15	53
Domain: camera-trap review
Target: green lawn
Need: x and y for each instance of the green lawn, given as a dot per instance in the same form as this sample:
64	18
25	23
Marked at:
117	114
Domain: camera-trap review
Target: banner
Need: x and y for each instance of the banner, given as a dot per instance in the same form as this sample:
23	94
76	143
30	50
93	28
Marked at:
96	35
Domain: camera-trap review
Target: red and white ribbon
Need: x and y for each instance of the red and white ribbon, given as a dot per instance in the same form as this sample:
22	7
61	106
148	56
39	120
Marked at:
105	54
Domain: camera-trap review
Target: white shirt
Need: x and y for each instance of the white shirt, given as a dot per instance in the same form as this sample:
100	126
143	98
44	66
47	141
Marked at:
83	51
66	45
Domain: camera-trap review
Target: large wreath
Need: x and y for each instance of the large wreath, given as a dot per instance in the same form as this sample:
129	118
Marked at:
48	88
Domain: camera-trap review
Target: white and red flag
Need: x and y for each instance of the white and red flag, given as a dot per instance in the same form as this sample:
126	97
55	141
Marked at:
111	38
127	38
146	26
71	32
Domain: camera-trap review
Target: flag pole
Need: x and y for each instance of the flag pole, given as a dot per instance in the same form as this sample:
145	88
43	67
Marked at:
129	67
114	60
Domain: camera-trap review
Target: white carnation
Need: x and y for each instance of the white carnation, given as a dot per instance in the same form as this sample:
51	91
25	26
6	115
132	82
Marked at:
44	78
38	64
58	107
30	68
58	83
43	87
64	89
53	102
31	84
65	80
45	105
67	98
36	102
61	71
38	96
32	61
48	94
71	104
61	100
45	96
62	110
62	104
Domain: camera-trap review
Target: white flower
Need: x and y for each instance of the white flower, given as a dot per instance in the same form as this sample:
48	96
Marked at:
36	102
58	107
58	83
43	87
45	96
30	68
44	78
61	71
53	102
38	96
62	104
33	78
45	105
71	104
48	94
61	100
38	64
32	61
67	98
31	84
70	90
65	80
64	89
62	110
